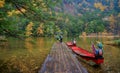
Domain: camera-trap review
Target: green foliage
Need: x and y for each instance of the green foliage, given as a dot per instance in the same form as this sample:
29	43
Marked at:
49	28
95	26
36	11
75	26
55	17
117	42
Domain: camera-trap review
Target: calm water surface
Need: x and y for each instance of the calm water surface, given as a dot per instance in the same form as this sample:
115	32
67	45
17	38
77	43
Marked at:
27	56
24	56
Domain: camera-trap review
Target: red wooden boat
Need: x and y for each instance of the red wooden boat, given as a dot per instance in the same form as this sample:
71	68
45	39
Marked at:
85	54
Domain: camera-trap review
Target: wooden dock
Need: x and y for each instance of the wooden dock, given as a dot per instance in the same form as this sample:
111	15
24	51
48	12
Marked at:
61	60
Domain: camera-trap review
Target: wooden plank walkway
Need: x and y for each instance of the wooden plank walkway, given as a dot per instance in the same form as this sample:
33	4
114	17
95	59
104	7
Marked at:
61	60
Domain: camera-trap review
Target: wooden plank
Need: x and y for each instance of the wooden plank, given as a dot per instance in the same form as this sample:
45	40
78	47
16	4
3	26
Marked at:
61	60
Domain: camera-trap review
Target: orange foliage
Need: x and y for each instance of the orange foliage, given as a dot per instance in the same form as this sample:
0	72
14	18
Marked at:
10	13
104	33
84	34
100	6
23	10
29	29
112	21
40	29
2	2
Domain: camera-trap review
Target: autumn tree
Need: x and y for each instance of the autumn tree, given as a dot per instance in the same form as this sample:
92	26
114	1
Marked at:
112	22
99	6
40	29
29	29
17	13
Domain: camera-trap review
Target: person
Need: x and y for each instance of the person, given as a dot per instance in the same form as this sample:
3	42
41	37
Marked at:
60	38
99	50
74	41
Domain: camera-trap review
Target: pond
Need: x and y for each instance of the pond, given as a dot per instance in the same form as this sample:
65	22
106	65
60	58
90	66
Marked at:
28	55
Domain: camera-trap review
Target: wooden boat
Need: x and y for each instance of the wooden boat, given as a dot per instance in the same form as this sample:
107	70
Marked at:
85	54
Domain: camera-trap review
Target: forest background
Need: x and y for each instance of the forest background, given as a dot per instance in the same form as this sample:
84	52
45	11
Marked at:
21	18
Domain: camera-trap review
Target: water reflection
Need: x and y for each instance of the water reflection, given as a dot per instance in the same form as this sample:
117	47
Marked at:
29	44
40	43
44	43
24	56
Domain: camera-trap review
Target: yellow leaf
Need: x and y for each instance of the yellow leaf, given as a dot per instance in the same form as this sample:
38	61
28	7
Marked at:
40	29
100	6
17	12
9	13
23	10
34	4
2	2
29	29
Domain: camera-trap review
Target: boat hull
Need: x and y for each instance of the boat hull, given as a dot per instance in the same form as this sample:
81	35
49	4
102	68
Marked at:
85	54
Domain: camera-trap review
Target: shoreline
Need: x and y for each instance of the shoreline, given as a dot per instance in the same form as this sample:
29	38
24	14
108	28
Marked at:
117	36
